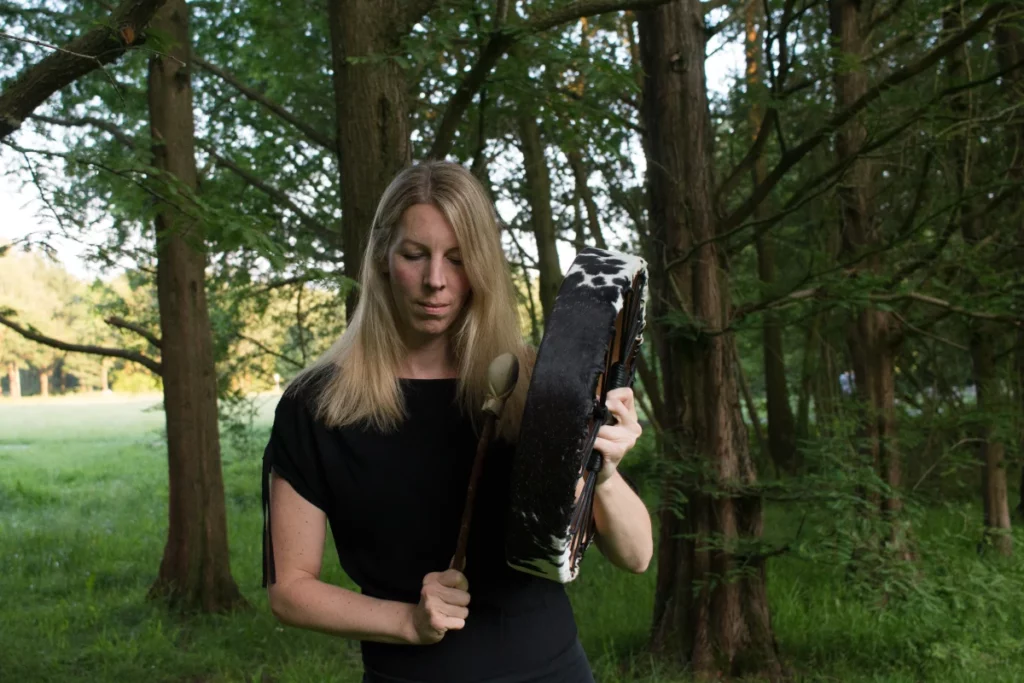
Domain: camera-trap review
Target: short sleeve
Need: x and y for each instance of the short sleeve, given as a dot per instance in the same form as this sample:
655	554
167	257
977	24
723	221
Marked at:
291	450
291	454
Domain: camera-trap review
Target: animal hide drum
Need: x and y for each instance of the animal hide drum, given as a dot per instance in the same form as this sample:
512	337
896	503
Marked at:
589	348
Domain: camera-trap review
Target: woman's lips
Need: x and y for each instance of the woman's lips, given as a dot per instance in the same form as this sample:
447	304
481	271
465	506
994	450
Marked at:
432	308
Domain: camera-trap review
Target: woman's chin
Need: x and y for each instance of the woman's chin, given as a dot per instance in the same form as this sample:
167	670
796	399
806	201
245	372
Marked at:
431	327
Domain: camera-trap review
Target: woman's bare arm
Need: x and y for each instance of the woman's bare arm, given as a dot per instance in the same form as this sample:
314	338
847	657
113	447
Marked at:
624	533
298	597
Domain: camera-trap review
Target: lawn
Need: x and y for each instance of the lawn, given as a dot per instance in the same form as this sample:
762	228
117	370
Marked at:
83	494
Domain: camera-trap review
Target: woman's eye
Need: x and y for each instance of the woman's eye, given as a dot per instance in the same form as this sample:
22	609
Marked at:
456	261
413	257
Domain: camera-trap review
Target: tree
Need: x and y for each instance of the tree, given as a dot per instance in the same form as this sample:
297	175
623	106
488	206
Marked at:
97	47
711	605
195	570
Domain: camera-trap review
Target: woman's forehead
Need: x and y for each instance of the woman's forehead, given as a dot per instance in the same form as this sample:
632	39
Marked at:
424	225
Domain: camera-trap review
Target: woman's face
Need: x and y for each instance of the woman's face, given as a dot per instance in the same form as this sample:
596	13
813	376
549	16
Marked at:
424	268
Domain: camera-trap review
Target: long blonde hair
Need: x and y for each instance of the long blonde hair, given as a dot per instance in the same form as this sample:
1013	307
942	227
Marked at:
360	370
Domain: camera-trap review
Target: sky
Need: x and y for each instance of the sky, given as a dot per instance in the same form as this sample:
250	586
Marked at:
22	212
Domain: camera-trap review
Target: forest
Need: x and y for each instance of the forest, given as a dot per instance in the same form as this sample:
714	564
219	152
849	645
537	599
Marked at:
829	195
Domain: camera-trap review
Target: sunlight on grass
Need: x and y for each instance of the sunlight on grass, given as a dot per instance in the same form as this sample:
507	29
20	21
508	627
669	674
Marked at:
83	493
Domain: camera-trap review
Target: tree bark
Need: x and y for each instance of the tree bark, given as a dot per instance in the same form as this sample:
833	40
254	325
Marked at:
92	50
781	425
807	373
871	333
1010	50
538	190
44	382
195	571
711	608
991	452
579	173
372	116
14	380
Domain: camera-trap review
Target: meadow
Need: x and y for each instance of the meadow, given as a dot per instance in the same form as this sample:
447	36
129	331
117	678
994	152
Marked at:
83	494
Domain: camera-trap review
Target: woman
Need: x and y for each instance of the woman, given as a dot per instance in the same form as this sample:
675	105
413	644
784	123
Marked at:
378	437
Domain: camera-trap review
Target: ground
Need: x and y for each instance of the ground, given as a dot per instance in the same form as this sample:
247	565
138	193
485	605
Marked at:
83	494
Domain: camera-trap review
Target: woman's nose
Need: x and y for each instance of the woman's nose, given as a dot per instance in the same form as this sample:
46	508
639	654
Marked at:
435	273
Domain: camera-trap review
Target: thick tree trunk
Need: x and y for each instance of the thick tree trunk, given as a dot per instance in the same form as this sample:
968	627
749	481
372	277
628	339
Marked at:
372	116
195	571
781	426
872	333
44	382
13	380
708	613
538	191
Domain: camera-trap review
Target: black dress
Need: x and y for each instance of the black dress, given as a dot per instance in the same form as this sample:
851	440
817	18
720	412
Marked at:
394	502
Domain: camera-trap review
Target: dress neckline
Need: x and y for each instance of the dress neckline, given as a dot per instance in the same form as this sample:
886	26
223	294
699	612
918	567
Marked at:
412	380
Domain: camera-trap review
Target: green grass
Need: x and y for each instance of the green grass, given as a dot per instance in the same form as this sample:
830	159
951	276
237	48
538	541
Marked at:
83	494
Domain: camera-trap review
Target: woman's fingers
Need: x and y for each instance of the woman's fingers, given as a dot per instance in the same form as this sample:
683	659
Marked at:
453	596
624	394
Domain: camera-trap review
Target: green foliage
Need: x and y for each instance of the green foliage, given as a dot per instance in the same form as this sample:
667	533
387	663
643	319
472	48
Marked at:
76	568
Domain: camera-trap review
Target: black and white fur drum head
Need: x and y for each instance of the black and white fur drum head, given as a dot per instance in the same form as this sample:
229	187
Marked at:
586	327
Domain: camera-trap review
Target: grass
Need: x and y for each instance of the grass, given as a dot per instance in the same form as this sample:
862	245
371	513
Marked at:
83	494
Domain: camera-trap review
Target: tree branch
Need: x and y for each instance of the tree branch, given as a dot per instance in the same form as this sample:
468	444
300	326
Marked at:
325	141
114	321
503	38
821	292
152	365
924	298
753	154
102	45
275	195
841	118
118	134
711	5
415	10
271	352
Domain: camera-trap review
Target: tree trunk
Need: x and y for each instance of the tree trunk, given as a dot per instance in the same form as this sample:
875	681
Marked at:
871	334
781	426
992	453
708	613
13	380
105	376
807	372
372	116
44	382
195	571
538	190
995	504
1010	50
579	173
827	382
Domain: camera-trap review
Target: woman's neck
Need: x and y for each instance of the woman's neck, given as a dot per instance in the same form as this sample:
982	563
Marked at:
432	360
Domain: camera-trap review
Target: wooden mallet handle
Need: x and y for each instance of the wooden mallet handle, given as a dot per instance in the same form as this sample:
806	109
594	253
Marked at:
502	374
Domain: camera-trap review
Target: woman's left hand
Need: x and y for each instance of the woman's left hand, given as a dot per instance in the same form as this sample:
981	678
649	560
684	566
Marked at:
615	440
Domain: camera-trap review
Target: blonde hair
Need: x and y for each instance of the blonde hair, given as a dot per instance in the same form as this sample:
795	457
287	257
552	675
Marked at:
359	372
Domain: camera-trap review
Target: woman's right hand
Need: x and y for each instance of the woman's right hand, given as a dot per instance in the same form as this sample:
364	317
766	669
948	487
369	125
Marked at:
442	607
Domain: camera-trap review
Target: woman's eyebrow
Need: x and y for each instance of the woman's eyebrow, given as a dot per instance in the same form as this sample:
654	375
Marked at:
406	241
